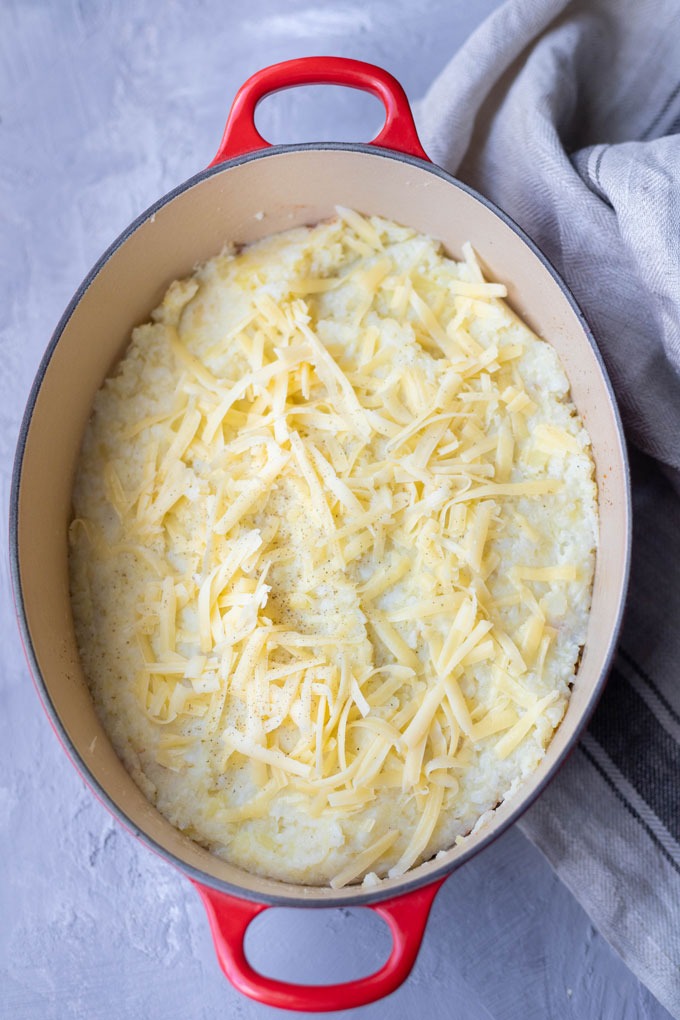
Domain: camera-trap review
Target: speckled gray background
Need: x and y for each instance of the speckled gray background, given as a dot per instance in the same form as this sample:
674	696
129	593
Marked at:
104	107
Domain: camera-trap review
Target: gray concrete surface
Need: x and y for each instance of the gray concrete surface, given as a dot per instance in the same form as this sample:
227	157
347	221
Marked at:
104	107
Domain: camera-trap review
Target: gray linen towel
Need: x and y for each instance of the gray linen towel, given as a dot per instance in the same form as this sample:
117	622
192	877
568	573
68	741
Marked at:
567	115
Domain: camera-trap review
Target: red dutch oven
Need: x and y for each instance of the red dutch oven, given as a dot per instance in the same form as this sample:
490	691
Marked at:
252	189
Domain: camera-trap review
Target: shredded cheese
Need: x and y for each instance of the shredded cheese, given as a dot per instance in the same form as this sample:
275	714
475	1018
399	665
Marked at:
334	510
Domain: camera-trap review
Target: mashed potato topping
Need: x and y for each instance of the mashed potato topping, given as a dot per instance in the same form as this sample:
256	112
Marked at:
332	551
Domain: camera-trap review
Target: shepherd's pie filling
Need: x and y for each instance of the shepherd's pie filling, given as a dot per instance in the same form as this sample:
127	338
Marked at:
332	551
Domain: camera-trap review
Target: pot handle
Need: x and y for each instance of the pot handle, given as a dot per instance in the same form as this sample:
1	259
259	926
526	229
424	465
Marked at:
398	132
230	916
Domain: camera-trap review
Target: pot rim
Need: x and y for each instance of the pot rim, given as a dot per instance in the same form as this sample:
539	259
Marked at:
411	880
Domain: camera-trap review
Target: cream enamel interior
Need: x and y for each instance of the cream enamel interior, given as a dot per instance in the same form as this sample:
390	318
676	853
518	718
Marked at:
290	187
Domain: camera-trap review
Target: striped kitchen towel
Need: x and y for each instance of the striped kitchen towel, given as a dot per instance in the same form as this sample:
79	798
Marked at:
566	113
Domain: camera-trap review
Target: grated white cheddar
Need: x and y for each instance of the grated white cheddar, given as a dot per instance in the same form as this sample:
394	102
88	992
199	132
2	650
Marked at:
332	551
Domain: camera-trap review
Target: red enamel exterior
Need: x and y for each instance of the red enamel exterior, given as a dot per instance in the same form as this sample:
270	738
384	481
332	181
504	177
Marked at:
398	132
230	917
406	914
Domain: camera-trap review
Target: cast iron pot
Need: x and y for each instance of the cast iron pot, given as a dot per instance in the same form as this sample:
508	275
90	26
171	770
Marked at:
291	185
